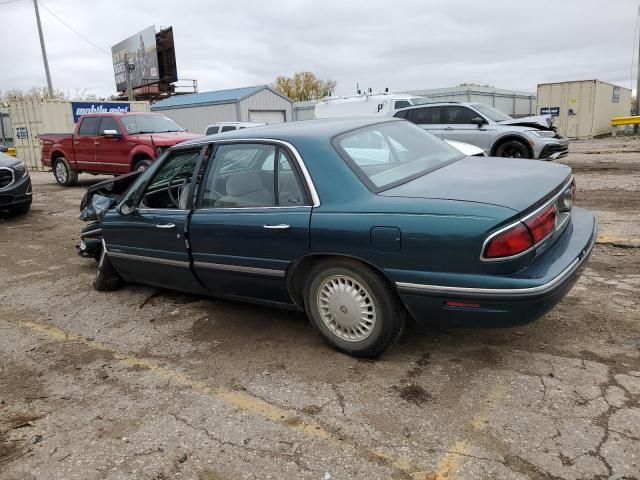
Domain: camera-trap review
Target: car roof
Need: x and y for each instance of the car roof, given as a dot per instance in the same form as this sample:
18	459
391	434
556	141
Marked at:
289	131
120	114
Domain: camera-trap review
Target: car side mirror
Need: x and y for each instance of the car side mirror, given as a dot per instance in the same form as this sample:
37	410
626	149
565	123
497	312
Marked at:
127	208
4	148
479	121
111	134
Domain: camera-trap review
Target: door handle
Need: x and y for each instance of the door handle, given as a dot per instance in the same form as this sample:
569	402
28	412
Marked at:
282	226
165	225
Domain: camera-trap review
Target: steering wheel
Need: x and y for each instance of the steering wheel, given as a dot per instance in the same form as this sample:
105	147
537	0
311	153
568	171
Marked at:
185	182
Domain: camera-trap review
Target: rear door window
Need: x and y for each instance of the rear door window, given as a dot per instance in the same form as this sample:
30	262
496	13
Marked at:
212	130
228	128
425	115
89	126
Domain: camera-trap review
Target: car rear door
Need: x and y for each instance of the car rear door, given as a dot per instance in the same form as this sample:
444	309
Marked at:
251	221
112	152
84	140
428	118
148	245
457	126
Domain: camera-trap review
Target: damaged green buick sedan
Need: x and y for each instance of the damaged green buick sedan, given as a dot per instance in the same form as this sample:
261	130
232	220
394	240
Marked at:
361	223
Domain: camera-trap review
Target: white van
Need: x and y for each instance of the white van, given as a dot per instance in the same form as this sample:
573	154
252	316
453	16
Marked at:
366	105
220	127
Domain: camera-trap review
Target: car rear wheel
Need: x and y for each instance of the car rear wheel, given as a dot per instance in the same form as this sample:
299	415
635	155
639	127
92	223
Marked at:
513	149
354	308
106	279
63	174
141	165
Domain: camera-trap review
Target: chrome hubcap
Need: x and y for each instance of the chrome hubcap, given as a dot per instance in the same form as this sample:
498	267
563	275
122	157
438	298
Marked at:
142	168
61	172
346	308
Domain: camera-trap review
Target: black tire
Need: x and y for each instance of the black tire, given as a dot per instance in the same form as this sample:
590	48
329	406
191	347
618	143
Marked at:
22	209
141	165
63	174
106	279
89	227
513	149
378	301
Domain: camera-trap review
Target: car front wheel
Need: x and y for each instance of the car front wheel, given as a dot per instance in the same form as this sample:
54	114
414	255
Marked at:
513	149
354	308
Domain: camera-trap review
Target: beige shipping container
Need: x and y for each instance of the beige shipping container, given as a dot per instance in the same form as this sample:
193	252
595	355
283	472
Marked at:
583	109
31	118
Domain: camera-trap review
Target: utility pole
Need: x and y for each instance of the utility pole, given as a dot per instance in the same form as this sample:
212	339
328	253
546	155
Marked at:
129	67
44	50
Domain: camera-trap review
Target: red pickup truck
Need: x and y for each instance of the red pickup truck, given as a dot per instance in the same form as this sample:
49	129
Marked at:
111	143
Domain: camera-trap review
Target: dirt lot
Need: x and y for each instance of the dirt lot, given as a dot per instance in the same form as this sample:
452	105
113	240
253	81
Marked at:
150	384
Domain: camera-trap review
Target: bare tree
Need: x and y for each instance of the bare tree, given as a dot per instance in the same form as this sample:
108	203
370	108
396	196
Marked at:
42	94
304	86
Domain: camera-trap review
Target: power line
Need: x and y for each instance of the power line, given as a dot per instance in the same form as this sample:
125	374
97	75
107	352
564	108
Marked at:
72	29
9	1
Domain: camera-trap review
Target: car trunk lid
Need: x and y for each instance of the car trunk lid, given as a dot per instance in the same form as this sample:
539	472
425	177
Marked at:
513	183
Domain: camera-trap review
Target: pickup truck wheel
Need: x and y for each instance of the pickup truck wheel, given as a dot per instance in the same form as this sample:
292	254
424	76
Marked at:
141	165
63	174
106	279
355	309
513	149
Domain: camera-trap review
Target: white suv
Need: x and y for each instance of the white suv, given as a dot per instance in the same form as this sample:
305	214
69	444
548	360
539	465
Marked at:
499	135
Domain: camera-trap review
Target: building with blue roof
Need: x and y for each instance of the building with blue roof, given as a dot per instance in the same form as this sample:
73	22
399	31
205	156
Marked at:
259	103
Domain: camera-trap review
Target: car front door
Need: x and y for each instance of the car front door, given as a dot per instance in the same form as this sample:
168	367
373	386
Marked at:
428	118
146	244
112	152
457	126
251	221
84	140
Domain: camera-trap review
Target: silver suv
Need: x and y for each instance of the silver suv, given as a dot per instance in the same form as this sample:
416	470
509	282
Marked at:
499	135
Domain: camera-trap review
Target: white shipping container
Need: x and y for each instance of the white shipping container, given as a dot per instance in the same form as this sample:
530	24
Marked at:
583	109
31	118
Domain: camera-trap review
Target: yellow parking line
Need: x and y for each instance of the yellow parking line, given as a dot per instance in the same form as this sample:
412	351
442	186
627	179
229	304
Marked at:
240	400
448	466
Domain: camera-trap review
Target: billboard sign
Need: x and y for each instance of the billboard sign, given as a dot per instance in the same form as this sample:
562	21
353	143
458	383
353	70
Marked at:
82	108
141	51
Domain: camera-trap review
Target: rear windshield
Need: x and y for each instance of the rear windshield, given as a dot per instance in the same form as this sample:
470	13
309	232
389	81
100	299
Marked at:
389	154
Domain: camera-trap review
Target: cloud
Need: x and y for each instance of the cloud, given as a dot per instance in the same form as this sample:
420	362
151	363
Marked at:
402	45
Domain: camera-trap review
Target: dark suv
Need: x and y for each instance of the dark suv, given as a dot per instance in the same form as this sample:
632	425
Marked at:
15	185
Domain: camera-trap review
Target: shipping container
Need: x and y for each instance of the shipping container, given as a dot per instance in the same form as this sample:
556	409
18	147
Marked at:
31	118
584	108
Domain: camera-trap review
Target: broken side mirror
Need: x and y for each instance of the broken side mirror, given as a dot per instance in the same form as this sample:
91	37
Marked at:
127	207
479	121
111	134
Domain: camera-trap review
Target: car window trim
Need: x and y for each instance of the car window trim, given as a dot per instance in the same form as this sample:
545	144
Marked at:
311	194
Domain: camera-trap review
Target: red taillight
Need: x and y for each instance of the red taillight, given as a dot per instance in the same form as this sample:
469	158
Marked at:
542	224
510	242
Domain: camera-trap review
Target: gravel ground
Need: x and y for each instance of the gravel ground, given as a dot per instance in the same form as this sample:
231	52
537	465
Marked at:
145	383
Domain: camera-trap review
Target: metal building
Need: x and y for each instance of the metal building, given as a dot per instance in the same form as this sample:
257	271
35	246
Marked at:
584	108
250	104
512	102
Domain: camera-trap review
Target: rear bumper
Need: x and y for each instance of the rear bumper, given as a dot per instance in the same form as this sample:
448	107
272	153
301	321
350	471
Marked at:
533	291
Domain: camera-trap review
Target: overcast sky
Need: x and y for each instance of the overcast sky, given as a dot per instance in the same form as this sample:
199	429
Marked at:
402	44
